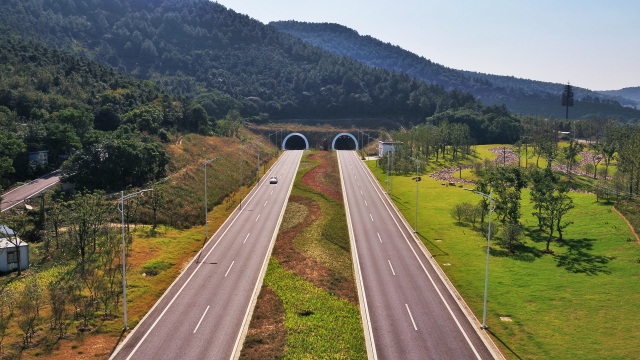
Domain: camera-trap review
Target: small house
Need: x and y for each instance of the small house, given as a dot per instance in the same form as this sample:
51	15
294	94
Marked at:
385	147
8	251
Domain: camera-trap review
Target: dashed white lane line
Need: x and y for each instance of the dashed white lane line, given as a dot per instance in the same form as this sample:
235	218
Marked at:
245	239
371	217
271	192
258	217
411	316
201	318
358	183
365	202
225	275
265	203
391	266
379	237
361	192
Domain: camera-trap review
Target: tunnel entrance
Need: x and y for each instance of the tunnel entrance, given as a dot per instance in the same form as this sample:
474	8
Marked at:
344	141
295	141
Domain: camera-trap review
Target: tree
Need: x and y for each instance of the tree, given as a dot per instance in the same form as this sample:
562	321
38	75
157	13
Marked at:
570	153
567	98
511	235
31	300
551	202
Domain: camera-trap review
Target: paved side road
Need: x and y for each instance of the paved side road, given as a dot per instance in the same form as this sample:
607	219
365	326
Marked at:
19	195
206	311
408	312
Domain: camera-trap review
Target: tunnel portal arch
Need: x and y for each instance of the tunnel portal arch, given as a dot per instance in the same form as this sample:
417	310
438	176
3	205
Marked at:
284	141
333	144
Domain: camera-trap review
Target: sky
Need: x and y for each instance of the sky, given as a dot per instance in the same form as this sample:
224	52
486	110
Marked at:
593	44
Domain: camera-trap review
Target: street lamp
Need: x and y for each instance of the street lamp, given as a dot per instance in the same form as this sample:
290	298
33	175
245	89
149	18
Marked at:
486	276
124	266
206	206
276	142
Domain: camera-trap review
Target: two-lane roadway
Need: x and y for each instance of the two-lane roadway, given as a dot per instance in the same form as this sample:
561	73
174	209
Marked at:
206	311
408	312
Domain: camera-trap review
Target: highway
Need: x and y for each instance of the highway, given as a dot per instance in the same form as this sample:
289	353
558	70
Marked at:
205	313
408	312
20	194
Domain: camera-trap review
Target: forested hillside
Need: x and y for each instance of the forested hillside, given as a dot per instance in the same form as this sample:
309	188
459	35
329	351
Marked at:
109	125
632	93
191	46
520	95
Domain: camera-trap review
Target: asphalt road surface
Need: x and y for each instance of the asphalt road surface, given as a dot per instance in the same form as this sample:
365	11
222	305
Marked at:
409	313
20	194
205	312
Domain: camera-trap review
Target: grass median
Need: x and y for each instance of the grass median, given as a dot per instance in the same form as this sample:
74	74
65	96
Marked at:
311	275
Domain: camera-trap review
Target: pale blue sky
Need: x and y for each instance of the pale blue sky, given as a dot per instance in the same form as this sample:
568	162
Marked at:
594	44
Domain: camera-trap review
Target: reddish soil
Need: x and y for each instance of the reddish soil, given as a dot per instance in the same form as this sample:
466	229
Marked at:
305	267
267	336
325	176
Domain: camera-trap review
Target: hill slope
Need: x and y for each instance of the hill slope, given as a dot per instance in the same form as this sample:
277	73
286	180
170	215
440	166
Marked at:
193	46
520	95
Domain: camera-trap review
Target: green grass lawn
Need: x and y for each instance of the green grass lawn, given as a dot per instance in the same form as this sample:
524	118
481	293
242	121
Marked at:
579	303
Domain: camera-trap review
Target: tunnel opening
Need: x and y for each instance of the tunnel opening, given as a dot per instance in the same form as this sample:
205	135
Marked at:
295	142
344	142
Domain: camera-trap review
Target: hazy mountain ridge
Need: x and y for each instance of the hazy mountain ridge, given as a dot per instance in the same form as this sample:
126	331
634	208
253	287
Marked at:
632	93
520	95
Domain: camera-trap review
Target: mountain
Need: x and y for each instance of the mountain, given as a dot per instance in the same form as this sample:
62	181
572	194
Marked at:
630	93
519	95
193	47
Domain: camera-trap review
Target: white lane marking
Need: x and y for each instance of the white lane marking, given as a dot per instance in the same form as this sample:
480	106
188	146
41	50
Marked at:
245	239
146	334
391	266
265	203
258	217
361	192
371	217
202	317
225	275
271	192
365	202
358	184
411	316
433	283
379	237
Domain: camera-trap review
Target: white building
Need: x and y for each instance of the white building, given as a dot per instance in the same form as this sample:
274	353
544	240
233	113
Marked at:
385	147
8	253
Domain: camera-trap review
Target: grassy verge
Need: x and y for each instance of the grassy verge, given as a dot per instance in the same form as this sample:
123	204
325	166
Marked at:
579	303
311	274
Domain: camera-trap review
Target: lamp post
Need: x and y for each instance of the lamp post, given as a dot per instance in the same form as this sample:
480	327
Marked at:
206	205
124	259
276	142
486	276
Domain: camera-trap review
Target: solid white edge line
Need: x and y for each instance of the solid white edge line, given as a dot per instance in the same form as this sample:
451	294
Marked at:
235	354
271	170
391	266
201	318
229	269
370	343
411	316
245	239
423	267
